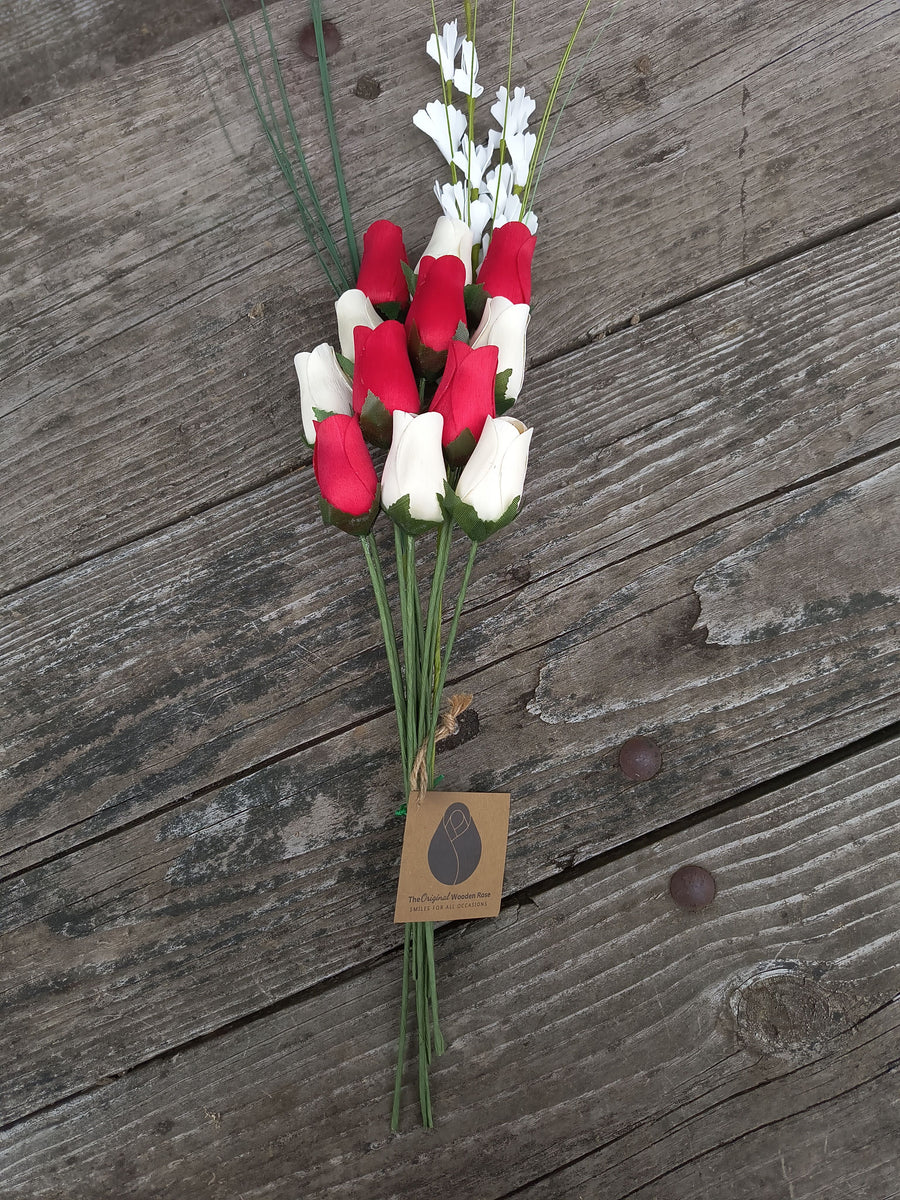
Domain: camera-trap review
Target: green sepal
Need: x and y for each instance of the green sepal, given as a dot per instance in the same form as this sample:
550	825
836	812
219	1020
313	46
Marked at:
348	522
428	363
411	278
390	310
465	516
501	383
346	365
462	333
322	414
376	421
399	514
475	298
459	451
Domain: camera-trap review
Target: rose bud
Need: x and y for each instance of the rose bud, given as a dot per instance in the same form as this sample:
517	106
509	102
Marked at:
450	236
345	475
380	273
383	379
465	398
353	308
506	270
436	312
503	325
412	481
324	388
489	491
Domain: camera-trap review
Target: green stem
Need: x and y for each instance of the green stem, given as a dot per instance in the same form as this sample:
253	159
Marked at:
422	1023
470	33
370	549
419	629
512	26
451	638
410	663
432	987
431	650
401	1044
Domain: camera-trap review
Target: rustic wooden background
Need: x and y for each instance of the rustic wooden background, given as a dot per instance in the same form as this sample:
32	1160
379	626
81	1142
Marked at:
200	975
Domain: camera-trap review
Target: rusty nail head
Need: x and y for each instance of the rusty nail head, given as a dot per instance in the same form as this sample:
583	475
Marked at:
692	887
639	758
330	33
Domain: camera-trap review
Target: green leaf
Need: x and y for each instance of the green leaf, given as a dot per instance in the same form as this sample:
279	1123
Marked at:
399	514
346	364
348	522
465	516
390	310
501	383
475	298
462	333
377	423
426	362
459	451
321	414
411	278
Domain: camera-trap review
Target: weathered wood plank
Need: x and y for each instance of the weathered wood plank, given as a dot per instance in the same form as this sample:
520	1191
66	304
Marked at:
822	1139
141	320
49	48
234	638
594	1021
279	880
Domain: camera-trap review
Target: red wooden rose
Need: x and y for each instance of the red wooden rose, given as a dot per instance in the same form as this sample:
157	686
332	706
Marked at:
465	398
383	379
506	270
380	273
345	475
437	310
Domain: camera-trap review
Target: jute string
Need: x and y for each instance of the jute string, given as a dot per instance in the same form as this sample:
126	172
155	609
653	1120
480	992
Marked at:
446	727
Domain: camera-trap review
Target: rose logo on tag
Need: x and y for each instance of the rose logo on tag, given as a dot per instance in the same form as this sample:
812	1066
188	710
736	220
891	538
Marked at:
455	850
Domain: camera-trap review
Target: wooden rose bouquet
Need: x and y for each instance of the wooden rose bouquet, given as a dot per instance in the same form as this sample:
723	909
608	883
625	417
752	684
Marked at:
430	360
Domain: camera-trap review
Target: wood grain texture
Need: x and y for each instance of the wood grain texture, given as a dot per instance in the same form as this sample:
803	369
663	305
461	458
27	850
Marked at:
593	1024
50	48
146	351
247	633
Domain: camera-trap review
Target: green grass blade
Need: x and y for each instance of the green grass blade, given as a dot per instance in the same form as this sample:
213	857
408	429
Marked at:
273	136
551	100
315	9
324	230
586	57
276	128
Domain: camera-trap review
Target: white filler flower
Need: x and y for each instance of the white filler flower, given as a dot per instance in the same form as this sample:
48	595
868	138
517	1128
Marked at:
444	124
445	49
466	75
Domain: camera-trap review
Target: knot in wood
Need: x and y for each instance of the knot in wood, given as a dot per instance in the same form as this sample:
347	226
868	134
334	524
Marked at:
785	1008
